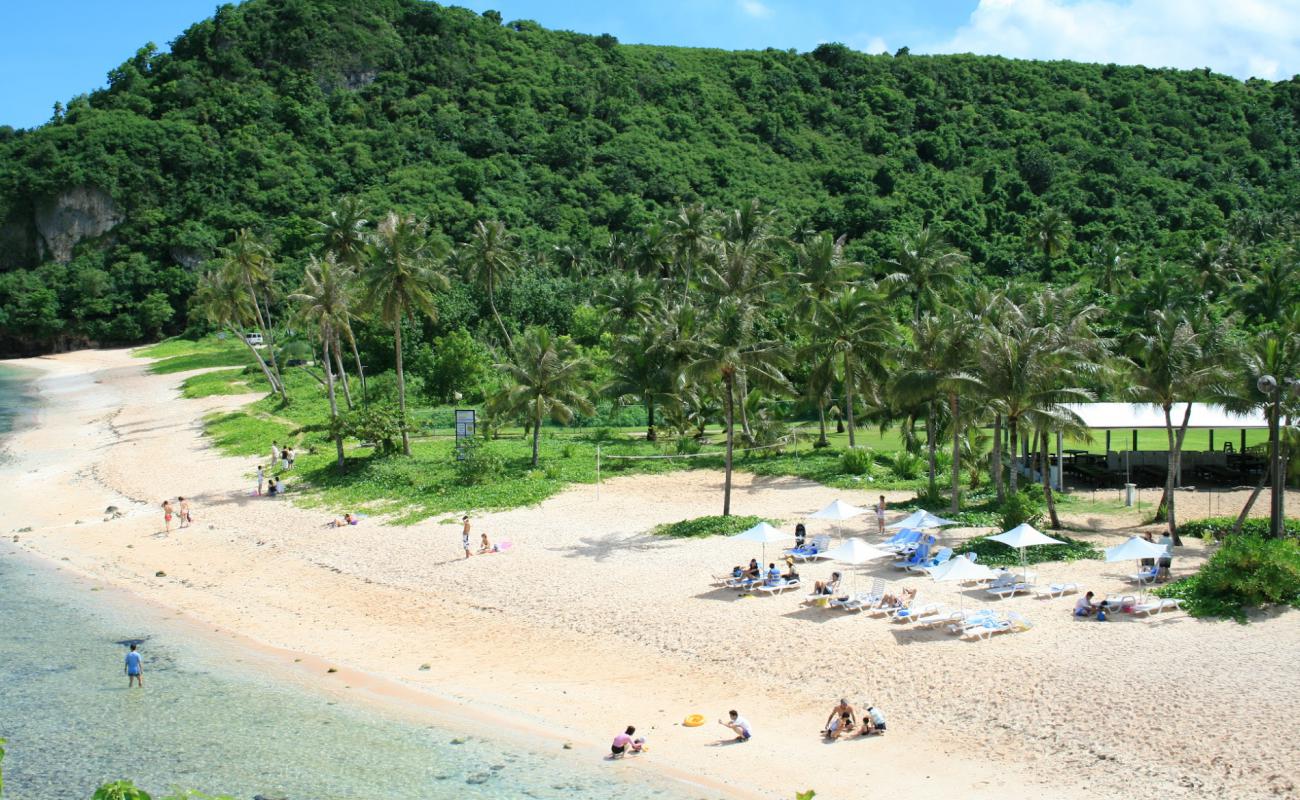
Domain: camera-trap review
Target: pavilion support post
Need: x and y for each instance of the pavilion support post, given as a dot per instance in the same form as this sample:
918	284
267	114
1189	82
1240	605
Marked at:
1243	441
1108	440
1211	440
1135	441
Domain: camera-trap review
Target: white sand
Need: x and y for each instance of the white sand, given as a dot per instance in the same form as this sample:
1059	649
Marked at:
589	623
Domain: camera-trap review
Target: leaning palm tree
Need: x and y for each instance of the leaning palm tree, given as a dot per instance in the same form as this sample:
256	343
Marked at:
1176	359
322	300
489	258
850	329
343	234
222	300
728	348
925	267
247	260
399	280
547	378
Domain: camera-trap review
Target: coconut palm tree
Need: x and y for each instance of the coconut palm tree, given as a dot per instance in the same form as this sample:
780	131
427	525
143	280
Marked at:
643	369
400	280
1112	265
1049	232
323	303
728	348
691	237
547	378
248	260
819	271
343	233
489	259
222	300
925	267
1176	359
850	329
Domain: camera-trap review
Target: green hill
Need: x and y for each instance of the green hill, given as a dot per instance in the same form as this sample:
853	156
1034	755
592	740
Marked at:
263	115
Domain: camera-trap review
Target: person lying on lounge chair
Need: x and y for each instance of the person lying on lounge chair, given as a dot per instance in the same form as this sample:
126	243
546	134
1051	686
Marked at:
827	587
897	601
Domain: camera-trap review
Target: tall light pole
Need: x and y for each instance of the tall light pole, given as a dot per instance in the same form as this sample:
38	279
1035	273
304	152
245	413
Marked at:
1268	386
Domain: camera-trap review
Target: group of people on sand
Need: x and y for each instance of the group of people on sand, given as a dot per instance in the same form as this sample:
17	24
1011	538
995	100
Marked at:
772	575
275	485
484	546
843	720
181	511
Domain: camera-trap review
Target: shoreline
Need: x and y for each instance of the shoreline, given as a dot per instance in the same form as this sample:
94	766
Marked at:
532	638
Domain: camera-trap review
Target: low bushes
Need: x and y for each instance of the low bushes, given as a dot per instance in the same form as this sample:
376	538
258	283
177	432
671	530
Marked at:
706	526
996	554
1219	527
1248	572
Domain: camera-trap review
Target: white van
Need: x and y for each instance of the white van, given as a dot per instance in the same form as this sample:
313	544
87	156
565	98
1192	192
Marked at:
255	339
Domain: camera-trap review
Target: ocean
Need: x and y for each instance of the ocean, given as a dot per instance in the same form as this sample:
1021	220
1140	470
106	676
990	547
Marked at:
220	719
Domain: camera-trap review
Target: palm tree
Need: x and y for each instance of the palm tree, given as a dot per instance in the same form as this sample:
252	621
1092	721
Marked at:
248	260
643	369
1049	233
851	328
548	378
221	299
343	233
937	364
399	280
1112	265
728	348
490	260
925	266
690	237
819	271
323	303
1215	269
1176	359
630	297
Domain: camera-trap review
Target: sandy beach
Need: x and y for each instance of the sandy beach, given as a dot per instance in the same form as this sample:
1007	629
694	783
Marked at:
588	623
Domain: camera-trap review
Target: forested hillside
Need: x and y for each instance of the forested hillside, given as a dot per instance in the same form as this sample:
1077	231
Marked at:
265	115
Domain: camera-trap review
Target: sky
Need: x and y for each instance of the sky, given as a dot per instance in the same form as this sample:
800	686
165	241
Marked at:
55	49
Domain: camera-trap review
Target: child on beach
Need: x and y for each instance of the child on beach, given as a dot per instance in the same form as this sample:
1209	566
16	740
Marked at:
167	515
484	545
880	515
186	519
271	490
738	725
134	671
873	722
348	519
261	478
464	534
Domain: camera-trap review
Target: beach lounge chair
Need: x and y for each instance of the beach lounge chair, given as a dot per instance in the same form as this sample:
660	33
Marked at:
824	598
916	558
906	540
778	586
942	557
1008	584
1144	577
1056	590
868	599
943	616
985	627
818	548
1157	605
916	611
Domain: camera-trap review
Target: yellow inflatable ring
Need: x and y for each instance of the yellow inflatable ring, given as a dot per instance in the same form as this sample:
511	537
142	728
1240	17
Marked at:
694	721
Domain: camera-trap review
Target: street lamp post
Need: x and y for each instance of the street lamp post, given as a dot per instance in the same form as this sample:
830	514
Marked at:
1268	386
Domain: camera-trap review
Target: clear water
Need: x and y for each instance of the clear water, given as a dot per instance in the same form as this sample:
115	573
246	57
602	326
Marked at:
211	718
16	401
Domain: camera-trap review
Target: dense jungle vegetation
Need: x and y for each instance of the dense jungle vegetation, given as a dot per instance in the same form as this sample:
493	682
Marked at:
264	115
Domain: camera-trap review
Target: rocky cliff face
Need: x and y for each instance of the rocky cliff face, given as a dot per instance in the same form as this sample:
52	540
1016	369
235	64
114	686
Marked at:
82	212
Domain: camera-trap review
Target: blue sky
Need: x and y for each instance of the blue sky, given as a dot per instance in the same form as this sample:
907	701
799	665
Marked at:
54	49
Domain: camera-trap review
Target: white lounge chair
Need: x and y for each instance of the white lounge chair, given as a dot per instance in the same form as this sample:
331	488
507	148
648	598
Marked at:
1056	590
1157	605
916	611
777	587
1146	576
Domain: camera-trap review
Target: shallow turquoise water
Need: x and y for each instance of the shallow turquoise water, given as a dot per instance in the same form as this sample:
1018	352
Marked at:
15	401
207	721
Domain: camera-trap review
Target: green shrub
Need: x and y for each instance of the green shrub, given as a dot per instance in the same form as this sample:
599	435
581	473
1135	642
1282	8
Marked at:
1021	507
1219	527
687	446
478	463
552	472
376	424
856	461
568	449
996	554
603	435
706	526
1247	572
906	466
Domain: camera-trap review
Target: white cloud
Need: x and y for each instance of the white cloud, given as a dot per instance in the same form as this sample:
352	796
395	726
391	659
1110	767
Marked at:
1245	38
754	8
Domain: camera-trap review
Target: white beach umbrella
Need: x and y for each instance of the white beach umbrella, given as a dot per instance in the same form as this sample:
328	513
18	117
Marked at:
960	569
1022	536
855	551
920	520
1135	549
838	511
762	533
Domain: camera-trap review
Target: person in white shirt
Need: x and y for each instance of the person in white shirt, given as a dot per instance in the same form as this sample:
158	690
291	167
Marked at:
738	725
873	722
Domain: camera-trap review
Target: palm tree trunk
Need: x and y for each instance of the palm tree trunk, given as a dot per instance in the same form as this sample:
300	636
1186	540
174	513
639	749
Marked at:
334	403
1250	501
726	484
401	388
996	466
510	345
356	356
848	397
821	424
266	372
650	417
537	427
955	506
336	349
1013	425
930	444
1047	481
1173	467
263	327
744	413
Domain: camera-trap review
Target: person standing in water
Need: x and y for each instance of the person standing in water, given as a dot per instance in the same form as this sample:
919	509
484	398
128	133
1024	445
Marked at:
134	670
464	534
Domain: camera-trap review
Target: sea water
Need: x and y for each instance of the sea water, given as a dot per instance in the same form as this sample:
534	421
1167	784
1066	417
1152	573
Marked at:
216	718
16	400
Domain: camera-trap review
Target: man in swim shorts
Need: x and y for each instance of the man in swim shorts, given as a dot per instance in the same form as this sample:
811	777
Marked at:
739	726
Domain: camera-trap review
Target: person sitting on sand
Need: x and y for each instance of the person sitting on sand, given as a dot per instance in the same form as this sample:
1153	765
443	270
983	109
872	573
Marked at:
271	491
279	485
827	587
623	742
484	545
738	725
348	519
873	722
1084	606
841	720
